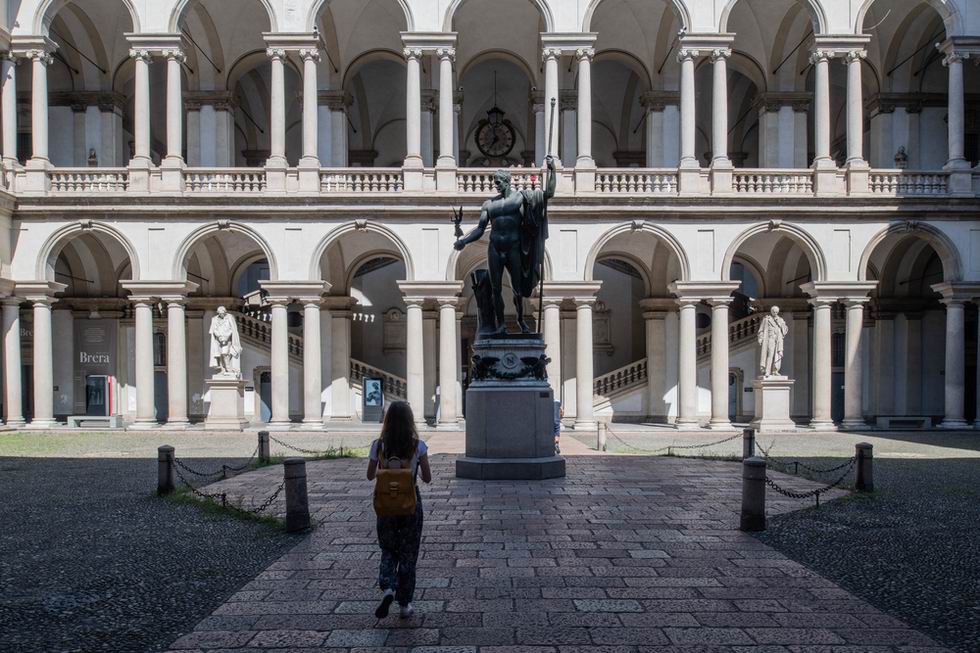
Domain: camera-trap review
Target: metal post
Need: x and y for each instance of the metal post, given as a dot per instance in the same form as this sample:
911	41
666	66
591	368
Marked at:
297	501
753	516
263	447
601	436
748	443
166	482
864	454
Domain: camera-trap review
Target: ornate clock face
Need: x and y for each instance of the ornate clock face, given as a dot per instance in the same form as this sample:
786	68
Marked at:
495	140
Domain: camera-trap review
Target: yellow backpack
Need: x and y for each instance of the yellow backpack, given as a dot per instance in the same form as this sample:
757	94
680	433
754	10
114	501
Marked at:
394	488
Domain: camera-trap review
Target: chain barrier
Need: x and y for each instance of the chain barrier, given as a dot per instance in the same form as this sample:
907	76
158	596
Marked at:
265	504
182	465
222	497
309	452
670	448
811	493
222	471
797	465
247	462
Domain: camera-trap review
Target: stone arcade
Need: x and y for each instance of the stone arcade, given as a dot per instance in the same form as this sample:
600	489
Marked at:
296	163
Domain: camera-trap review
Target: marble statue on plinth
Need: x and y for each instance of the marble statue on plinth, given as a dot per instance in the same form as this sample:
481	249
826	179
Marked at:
226	388
226	347
772	389
772	332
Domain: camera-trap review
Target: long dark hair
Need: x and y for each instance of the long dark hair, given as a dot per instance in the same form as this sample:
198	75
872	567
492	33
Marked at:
399	438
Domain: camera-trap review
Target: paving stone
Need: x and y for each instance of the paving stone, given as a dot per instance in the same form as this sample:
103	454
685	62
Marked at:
356	638
287	639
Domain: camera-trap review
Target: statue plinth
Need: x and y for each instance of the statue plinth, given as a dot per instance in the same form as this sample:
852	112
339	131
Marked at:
227	410
510	412
772	404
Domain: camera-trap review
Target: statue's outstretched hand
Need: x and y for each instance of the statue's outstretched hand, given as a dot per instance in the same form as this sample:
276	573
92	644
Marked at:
459	245
550	162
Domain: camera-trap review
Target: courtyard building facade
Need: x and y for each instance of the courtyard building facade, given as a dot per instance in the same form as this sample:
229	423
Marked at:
298	162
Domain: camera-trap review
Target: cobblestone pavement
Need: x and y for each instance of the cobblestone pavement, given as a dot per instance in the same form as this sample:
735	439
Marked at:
627	554
91	560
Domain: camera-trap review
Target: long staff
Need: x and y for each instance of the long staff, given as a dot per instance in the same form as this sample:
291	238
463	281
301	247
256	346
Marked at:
551	132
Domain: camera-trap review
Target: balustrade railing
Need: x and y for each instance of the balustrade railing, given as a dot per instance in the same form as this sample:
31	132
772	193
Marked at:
635	181
738	332
224	180
258	329
772	182
394	386
361	180
901	182
620	379
480	180
89	180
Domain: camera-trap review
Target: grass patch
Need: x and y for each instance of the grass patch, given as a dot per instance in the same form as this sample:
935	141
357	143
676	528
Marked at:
184	495
333	453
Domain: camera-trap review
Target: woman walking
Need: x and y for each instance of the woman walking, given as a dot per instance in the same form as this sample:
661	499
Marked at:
399	523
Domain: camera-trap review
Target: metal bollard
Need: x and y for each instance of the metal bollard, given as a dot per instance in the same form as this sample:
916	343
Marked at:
748	443
601	436
865	481
264	447
753	517
297	501
166	482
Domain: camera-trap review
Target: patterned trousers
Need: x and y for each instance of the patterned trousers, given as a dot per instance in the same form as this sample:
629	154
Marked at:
399	539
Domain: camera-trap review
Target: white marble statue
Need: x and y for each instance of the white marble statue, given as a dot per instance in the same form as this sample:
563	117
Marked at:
771	333
226	348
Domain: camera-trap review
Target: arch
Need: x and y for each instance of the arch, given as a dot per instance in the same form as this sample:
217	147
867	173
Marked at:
638	265
358	225
179	270
366	58
48	254
175	15
947	12
679	8
316	10
48	9
540	5
817	14
666	237
505	55
809	245
944	246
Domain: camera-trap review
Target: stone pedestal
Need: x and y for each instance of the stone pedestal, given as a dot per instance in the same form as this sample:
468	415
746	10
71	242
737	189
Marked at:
772	404
227	411
510	413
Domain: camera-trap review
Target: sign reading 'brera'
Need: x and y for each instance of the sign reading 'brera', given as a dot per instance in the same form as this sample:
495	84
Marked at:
85	357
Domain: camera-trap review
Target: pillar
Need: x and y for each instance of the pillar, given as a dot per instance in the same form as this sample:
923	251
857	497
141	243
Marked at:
176	363
13	400
552	344
277	122
719	123
413	108
585	56
821	109
340	364
584	375
446	114
719	364
310	57
686	59
955	375
39	104
8	109
414	359
822	419
551	56
312	371
141	110
687	378
175	110
955	123
279	365
447	363
143	333
853	415
430	347
855	109
656	349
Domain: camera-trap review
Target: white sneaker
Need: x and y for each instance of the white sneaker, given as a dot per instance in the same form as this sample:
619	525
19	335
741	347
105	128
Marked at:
406	611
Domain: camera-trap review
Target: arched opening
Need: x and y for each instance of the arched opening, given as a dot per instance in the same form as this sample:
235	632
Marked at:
376	128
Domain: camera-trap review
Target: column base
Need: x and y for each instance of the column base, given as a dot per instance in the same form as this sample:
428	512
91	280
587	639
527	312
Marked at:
585	172
20	423
175	425
312	425
689	179
822	425
279	425
40	424
446	175
309	175
724	425
858	177
143	425
449	426
852	424
585	425
953	424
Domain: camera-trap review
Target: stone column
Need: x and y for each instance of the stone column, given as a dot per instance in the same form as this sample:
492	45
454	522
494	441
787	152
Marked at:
853	386
279	362
821	110
414	358
448	342
584	375
687	370
340	362
277	121
39	104
141	110
656	349
13	400
312	371
585	56
956	121
551	56
9	109
143	334
446	117
719	122
413	108
310	57
43	365
176	363
333	145
552	343
822	419
686	59
855	109
175	109
955	376
719	364
430	347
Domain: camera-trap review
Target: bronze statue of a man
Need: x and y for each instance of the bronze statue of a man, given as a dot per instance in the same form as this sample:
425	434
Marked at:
519	227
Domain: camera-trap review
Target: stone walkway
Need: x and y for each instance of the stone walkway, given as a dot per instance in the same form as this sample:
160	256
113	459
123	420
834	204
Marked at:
627	554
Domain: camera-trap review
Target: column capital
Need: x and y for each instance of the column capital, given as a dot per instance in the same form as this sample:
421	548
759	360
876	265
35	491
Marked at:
174	300
839	290
584	301
720	53
276	53
159	289
697	291
585	54
12	301
298	290
29	47
688	54
413	301
550	52
450	302
446	53
437	290
957	291
141	300
310	54
39	291
955	57
412	53
855	55
40	56
174	54
140	54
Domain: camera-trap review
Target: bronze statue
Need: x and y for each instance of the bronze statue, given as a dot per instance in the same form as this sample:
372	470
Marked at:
519	228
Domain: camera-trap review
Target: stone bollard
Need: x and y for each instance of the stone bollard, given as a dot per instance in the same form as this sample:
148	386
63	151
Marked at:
753	516
601	436
865	481
166	482
748	443
297	501
264	447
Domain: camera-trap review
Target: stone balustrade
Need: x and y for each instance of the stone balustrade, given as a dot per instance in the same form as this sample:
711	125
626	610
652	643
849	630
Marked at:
619	379
394	386
739	331
770	182
901	182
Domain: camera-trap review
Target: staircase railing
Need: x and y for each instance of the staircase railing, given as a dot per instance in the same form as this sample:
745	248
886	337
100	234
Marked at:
258	329
739	331
620	379
394	386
